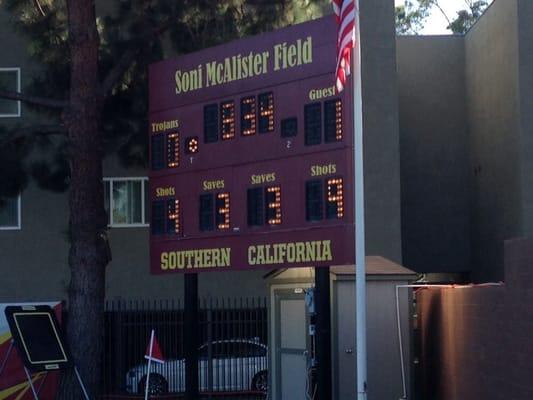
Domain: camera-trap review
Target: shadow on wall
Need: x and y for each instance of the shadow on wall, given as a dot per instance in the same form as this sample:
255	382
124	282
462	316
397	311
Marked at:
476	340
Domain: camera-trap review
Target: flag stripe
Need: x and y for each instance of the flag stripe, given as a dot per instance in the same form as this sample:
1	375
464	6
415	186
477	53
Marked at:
345	11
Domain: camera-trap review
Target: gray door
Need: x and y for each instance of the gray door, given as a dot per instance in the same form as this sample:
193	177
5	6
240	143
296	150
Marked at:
346	356
291	343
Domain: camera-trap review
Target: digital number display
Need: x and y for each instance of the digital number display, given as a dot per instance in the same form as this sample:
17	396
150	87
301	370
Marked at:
289	127
227	113
223	211
264	206
165	217
273	205
332	121
191	145
313	200
335	199
157	148
214	211
266	112
248	116
313	124
173	150
255	206
158	217
211	123
173	216
206	212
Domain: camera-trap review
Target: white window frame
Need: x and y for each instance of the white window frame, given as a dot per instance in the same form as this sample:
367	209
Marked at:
144	182
17	70
17	227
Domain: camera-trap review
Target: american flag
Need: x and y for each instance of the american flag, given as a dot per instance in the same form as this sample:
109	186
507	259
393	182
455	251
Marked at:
345	10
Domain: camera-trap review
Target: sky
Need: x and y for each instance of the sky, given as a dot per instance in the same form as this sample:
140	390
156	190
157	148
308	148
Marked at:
436	23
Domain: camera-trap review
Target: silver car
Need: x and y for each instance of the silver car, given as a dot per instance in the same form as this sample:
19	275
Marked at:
225	365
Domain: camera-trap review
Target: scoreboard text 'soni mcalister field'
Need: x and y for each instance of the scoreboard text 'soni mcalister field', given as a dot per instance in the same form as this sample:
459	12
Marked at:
252	155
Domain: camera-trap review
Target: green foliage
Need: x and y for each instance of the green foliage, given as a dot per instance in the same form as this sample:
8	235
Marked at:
411	17
466	18
185	26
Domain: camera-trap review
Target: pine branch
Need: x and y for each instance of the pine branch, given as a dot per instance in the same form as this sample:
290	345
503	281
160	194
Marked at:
40	8
120	68
40	101
37	130
436	3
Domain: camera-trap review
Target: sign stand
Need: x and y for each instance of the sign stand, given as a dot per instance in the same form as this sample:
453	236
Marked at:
28	376
4	363
81	383
37	337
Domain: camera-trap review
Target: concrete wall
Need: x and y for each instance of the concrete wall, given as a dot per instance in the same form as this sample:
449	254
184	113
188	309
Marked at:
434	153
493	101
525	47
380	127
476	342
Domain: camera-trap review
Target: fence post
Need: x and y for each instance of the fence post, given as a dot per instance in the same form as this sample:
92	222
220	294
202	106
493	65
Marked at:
209	312
191	336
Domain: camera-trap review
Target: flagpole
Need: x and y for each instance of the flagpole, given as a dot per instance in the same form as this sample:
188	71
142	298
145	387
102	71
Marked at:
360	275
147	383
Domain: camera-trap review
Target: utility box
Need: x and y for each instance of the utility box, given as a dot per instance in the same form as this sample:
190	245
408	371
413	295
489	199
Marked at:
290	336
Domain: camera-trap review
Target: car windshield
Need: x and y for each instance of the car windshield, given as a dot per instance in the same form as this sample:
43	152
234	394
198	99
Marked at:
232	350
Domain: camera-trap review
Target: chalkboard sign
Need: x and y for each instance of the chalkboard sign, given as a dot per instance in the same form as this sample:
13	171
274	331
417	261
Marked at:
37	337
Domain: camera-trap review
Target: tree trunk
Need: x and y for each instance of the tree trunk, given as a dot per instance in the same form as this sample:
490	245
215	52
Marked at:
87	255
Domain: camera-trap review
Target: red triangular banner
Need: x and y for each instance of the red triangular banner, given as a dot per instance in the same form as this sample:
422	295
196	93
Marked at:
153	351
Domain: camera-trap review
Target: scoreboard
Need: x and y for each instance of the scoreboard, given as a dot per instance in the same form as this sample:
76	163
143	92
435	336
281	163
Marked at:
251	155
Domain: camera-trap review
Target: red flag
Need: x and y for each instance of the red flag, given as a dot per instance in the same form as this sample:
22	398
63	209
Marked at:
345	10
153	351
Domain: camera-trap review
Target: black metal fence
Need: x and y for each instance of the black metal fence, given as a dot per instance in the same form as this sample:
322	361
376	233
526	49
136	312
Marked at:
232	355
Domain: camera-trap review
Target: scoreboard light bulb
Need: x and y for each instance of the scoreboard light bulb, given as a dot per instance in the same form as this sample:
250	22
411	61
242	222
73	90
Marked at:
336	195
228	119
174	213
338	120
266	112
248	116
173	150
275	205
224	211
192	145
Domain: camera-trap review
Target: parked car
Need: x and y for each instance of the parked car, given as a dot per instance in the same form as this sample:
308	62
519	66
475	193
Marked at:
236	365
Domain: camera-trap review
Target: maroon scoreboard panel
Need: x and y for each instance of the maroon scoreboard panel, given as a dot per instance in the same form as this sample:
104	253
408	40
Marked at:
252	156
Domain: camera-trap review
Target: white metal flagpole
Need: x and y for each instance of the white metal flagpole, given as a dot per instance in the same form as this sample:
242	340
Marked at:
360	274
147	383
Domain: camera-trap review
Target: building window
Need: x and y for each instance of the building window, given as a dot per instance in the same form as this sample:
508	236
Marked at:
126	202
10	213
10	80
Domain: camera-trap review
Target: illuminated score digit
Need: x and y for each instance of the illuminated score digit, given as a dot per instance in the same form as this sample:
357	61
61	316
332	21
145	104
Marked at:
248	116
227	112
173	150
332	121
266	112
273	205
173	216
191	145
335	198
223	211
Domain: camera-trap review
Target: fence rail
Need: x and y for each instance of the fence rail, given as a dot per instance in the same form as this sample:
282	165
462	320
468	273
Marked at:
232	355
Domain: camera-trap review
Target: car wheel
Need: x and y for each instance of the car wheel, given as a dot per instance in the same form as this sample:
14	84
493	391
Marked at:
157	385
260	381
